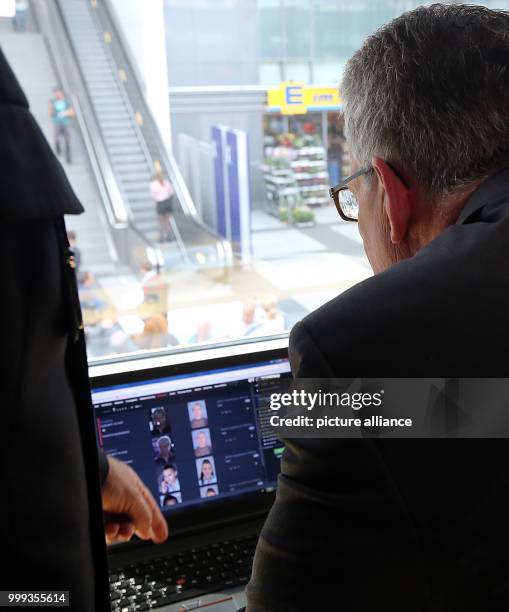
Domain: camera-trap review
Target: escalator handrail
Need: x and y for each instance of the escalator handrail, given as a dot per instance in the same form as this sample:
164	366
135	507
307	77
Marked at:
113	186
134	124
116	213
114	204
125	97
167	160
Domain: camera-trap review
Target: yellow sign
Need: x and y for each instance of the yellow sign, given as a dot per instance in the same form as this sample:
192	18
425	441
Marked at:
292	98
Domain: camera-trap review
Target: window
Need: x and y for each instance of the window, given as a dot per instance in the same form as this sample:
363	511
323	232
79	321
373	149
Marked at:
297	71
297	30
270	73
207	214
270	15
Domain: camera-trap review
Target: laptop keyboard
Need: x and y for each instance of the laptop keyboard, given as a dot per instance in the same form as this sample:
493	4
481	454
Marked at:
175	577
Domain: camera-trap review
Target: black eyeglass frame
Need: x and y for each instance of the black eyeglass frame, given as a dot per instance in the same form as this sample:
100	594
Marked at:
334	192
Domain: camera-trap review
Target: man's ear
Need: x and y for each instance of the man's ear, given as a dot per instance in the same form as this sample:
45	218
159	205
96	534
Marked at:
398	204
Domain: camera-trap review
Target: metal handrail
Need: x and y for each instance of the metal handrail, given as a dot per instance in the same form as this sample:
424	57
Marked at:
114	186
113	203
178	238
167	160
139	136
115	219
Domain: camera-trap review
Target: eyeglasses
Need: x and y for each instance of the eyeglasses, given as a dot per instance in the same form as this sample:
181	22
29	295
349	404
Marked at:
344	199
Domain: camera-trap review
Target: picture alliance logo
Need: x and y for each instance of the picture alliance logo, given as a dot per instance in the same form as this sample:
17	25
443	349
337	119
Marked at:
307	400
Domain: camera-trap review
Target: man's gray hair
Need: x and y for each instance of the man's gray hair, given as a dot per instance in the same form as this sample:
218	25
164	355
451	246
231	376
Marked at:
430	90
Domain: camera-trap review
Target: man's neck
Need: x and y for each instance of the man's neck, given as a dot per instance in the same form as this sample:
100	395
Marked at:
442	213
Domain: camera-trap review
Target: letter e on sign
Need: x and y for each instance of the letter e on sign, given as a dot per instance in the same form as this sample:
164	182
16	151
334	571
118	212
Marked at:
293	99
294	94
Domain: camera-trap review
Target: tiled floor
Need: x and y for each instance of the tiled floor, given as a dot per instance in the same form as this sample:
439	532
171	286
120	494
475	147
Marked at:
284	243
327	270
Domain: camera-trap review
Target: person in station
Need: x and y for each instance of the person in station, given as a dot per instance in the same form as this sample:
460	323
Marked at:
410	524
160	422
20	19
163	194
273	321
199	419
202	443
204	332
249	322
207	473
61	112
83	499
73	243
155	333
169	479
164	448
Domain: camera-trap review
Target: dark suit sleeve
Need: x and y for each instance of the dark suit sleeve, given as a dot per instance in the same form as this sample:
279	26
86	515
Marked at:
104	467
337	523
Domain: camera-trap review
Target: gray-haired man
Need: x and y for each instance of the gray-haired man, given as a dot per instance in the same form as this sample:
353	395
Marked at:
413	525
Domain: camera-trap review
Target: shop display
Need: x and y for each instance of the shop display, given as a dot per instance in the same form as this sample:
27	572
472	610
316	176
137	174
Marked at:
310	171
296	177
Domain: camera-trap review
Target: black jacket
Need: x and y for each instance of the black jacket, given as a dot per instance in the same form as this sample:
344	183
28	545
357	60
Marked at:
51	520
418	525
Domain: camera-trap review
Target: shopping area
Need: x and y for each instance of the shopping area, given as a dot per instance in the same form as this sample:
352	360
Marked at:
304	150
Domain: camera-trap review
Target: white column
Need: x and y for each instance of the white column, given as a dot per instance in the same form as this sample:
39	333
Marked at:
144	31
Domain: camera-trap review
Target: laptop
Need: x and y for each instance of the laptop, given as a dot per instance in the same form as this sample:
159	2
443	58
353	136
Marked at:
197	432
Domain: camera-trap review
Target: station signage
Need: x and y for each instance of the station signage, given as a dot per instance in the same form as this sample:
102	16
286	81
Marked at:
292	98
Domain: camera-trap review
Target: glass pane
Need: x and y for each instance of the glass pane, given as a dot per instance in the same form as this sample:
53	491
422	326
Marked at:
270	74
299	72
298	36
270	16
228	247
327	73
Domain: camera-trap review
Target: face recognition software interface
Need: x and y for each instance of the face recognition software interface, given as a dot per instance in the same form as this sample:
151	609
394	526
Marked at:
196	436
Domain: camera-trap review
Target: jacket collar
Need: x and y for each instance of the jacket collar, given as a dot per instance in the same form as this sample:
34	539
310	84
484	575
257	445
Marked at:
491	191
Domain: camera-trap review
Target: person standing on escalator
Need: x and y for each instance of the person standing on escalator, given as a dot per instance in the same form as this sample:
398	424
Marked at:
163	194
61	111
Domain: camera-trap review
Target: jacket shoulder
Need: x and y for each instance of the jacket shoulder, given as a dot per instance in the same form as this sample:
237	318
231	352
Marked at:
365	327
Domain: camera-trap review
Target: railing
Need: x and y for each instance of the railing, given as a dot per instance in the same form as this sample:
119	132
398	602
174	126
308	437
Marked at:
129	241
139	136
167	161
64	63
117	212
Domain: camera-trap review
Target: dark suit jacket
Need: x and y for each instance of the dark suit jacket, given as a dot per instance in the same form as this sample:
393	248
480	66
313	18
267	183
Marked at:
50	507
413	525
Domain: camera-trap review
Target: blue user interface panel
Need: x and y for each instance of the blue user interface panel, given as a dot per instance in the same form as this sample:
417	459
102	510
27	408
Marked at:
196	436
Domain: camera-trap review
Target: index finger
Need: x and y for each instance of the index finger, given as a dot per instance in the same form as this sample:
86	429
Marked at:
158	523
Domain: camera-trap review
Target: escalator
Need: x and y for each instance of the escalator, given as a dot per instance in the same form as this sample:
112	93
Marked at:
32	63
133	146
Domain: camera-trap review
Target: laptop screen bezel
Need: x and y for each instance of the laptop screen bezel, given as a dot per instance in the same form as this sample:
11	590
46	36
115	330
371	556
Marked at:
215	512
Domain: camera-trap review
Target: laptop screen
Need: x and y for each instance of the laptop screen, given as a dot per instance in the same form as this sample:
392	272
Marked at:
197	436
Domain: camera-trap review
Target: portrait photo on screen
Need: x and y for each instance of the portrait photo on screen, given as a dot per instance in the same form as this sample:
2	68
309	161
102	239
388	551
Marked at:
206	470
163	450
198	414
209	491
170	499
159	422
168	479
201	442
